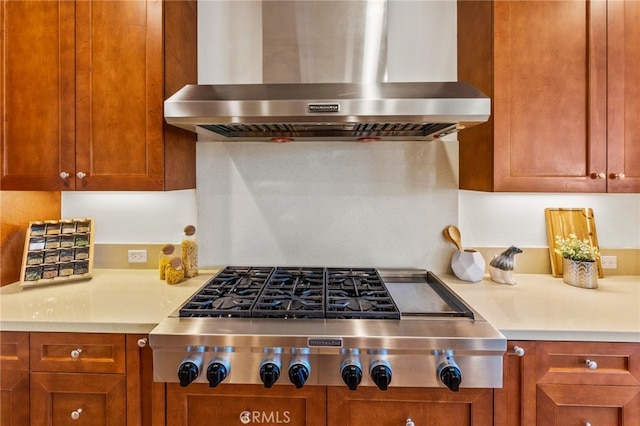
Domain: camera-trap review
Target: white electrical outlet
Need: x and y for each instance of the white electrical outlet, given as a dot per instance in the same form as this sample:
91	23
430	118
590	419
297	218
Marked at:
137	256
609	262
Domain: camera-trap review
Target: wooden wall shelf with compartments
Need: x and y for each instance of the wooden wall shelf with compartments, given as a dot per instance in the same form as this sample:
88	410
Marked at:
57	251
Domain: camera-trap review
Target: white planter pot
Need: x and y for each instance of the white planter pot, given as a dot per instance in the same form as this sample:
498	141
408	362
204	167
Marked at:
468	265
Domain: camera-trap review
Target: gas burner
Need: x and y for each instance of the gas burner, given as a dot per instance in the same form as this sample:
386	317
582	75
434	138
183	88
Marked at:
358	293
293	293
230	293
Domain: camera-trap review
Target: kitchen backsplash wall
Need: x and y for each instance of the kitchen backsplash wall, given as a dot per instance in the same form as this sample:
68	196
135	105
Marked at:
382	204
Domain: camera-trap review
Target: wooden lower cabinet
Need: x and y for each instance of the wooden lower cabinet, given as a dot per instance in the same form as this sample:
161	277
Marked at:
566	405
580	383
78	399
145	398
569	383
514	403
425	407
225	405
14	378
78	379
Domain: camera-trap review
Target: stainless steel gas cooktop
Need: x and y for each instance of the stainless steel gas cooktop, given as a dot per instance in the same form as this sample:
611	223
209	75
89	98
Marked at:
327	326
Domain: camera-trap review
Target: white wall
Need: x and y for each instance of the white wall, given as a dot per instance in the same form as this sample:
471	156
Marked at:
327	204
497	220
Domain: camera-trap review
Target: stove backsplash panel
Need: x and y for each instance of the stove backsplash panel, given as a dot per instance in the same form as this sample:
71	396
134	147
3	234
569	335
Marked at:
331	204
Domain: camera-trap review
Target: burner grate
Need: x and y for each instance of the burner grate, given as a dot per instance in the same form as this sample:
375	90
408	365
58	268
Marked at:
232	292
293	292
358	293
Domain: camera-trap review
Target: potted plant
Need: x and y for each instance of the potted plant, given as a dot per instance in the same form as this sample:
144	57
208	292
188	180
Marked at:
579	267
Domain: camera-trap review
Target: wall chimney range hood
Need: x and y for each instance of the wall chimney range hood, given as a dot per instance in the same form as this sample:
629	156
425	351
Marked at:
324	74
327	111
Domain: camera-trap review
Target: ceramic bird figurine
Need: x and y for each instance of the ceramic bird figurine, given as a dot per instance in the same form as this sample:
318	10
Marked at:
501	267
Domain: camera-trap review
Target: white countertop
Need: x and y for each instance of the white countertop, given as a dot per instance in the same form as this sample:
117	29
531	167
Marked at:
113	301
539	307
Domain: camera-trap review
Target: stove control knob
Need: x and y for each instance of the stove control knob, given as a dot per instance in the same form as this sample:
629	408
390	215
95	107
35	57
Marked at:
380	372
269	373
450	374
187	372
299	373
217	370
352	375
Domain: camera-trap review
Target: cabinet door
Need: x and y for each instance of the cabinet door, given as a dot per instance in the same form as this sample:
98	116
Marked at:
119	57
78	399
545	65
550	95
145	398
37	73
515	402
368	406
14	378
565	405
623	170
200	405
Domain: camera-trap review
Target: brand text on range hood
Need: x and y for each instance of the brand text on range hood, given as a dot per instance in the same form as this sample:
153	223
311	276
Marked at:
327	111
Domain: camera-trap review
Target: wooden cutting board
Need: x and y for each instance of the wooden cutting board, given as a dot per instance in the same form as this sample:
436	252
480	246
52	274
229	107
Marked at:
565	221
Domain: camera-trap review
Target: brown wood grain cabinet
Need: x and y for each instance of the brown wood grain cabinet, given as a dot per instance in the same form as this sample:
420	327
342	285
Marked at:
78	378
198	404
562	76
145	398
367	406
83	86
569	383
587	383
514	403
14	378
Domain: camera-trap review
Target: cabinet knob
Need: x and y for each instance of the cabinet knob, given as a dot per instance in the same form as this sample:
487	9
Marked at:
409	423
518	350
64	175
618	176
75	415
587	424
142	342
595	175
75	354
81	175
591	364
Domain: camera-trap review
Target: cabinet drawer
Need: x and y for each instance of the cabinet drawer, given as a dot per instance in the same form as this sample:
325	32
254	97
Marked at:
369	406
589	363
581	405
14	351
78	352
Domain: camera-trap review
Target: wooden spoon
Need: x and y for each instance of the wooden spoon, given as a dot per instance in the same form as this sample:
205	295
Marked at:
452	233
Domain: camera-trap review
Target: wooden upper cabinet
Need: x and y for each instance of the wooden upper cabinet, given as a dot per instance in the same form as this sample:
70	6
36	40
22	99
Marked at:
559	123
624	96
38	94
84	87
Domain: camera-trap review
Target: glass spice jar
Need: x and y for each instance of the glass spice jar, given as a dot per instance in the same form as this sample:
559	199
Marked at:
189	248
166	254
174	273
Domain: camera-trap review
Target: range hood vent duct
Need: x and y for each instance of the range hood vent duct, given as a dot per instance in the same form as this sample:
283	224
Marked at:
324	71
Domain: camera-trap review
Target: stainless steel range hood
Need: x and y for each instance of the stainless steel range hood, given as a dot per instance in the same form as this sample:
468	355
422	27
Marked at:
325	111
324	75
